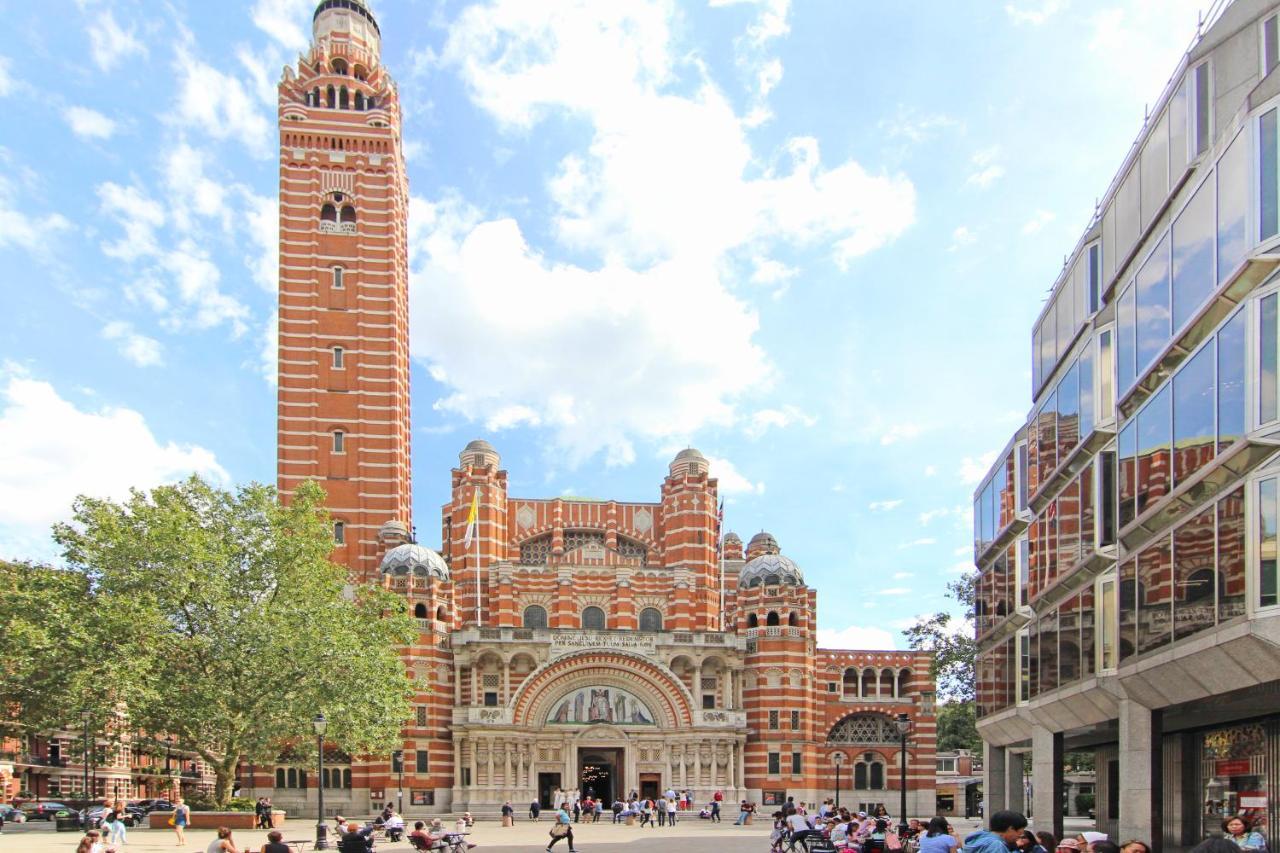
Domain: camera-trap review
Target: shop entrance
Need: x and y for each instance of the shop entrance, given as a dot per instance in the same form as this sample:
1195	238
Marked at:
600	774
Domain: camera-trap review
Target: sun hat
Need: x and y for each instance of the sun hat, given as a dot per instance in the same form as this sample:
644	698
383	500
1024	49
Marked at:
1068	844
1094	836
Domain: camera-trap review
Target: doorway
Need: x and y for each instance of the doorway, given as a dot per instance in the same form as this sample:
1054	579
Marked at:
548	783
650	785
600	774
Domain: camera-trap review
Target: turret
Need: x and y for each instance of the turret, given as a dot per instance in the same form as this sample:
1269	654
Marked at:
346	21
689	496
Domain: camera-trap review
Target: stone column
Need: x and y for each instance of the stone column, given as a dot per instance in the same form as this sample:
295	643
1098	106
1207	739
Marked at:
488	751
715	763
507	781
1046	778
1141	766
474	765
994	777
1015	785
457	685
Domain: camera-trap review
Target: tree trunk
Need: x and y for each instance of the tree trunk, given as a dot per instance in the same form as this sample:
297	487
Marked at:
224	775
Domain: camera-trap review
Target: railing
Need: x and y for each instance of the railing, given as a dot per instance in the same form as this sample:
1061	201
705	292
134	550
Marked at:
41	760
775	631
547	635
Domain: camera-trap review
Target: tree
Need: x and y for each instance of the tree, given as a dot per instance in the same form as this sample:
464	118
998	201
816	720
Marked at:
953	645
233	626
958	727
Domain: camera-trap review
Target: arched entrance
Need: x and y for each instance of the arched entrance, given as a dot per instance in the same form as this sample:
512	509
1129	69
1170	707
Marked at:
601	773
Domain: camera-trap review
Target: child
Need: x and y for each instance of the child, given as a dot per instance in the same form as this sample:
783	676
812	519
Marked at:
779	833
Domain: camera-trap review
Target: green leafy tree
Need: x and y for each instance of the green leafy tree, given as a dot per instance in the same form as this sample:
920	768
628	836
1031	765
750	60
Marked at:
958	727
221	620
952	643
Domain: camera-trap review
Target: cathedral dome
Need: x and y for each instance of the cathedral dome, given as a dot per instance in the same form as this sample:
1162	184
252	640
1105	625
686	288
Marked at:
689	462
479	454
762	543
770	570
413	559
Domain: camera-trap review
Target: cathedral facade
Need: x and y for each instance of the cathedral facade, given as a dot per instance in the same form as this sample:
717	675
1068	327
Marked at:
609	646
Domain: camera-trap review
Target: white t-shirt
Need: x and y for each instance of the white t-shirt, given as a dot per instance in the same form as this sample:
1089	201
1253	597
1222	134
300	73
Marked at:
671	806
798	822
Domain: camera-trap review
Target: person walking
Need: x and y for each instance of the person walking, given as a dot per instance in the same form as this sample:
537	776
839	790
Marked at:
743	813
181	817
563	828
1005	827
671	812
646	812
715	811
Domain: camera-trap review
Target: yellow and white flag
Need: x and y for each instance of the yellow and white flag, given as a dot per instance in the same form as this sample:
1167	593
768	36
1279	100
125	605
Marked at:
471	519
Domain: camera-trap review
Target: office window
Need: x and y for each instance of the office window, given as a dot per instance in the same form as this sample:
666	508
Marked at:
1069	641
1267	522
337	358
1093	278
1126	473
1024	570
1088	636
421	757
775	763
1231	556
1024	665
339	441
1230	392
1194	442
1020	483
1199	103
1105	381
795	764
1270	45
1127	596
1194	576
1108	625
1233	182
339	533
1126	320
946	765
337	277
1155	596
1267	339
1268	205
1048	631
1154	451
773	720
1193	238
1106	498
1152	291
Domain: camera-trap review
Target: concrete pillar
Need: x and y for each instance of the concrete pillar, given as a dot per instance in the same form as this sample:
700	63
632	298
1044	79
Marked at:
1141	766
1046	779
994	777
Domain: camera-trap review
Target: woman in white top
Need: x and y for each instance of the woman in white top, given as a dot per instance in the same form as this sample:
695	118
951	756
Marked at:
223	843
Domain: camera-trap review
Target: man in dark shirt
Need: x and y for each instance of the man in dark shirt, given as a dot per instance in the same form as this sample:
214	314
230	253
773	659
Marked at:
275	843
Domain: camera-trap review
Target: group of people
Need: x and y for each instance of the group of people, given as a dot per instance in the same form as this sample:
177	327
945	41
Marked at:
661	810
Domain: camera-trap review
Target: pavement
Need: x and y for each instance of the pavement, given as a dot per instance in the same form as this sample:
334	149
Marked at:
490	837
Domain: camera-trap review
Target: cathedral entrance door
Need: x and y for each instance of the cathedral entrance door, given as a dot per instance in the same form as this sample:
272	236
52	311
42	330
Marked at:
547	785
600	774
650	785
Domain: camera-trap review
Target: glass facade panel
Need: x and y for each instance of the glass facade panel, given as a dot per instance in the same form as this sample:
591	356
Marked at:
1127	463
1085	370
1068	395
1194	572
1233	206
1231	359
1231	556
1155	169
1087	511
1267	359
1128	609
1033	667
1267	542
1155	596
1126	320
1194	443
1177	135
1024	666
1047	433
1088	616
1048	624
1069	641
1236	772
1093	278
1068	518
1154	454
1268	206
1152	283
1193	237
1108	626
1024	569
1106	372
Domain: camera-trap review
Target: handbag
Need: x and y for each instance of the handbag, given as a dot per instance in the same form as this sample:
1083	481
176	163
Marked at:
560	830
171	821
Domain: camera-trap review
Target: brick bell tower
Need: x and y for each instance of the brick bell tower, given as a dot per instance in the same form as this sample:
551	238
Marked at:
343	416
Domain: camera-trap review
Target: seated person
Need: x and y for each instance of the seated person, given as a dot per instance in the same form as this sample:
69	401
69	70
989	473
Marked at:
419	832
275	843
394	825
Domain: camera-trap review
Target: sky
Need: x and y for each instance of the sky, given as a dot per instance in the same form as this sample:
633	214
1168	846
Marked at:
808	239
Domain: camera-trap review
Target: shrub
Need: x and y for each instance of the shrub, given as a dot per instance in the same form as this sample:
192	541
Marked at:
1084	803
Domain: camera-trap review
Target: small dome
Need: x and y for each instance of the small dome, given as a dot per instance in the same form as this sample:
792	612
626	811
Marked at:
394	529
763	543
413	559
770	569
479	454
690	453
479	444
732	537
689	462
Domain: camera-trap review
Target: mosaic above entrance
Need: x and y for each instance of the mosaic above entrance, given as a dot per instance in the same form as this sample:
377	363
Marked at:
601	705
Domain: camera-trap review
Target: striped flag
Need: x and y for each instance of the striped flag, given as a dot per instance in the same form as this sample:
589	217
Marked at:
471	519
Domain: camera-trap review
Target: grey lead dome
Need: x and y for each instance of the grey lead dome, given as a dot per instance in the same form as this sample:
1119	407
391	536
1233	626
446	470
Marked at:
413	559
771	569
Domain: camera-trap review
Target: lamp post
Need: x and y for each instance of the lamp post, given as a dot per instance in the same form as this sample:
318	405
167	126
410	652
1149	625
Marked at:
86	762
904	728
397	760
838	758
322	831
168	754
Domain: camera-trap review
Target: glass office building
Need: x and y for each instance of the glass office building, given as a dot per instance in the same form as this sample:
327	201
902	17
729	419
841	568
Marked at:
1126	537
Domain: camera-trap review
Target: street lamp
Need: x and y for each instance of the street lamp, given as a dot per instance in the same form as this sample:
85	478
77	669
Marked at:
397	760
904	727
838	758
168	754
322	831
85	713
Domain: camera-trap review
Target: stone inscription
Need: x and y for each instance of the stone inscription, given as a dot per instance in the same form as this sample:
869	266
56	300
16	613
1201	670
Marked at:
563	643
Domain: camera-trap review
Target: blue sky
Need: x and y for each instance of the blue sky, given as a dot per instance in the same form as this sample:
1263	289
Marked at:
808	239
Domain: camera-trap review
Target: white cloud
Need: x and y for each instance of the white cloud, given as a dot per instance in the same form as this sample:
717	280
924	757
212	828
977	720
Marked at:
961	568
109	42
89	124
986	169
885	506
901	576
1142	42
856	637
900	432
286	21
1034	13
762	420
913	127
138	214
732	482
1037	222
24	230
894	590
974	468
917	543
930	470
51	451
269	355
219	104
6	79
960	238
963	551
137	348
929	516
262	224
191	192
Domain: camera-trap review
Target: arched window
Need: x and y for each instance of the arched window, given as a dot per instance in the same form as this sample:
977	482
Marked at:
877	776
371	102
440	614
293	777
328	213
772	618
420	611
348	215
344	99
339	533
868	683
650	619
535	616
360	101
864	729
849	683
330	97
346	777
860	776
886	683
753	621
793	620
279	777
593	618
904	677
772	580
339	441
340	66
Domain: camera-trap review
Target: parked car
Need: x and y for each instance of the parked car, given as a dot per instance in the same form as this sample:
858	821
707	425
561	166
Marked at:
12	814
44	810
92	818
157	805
